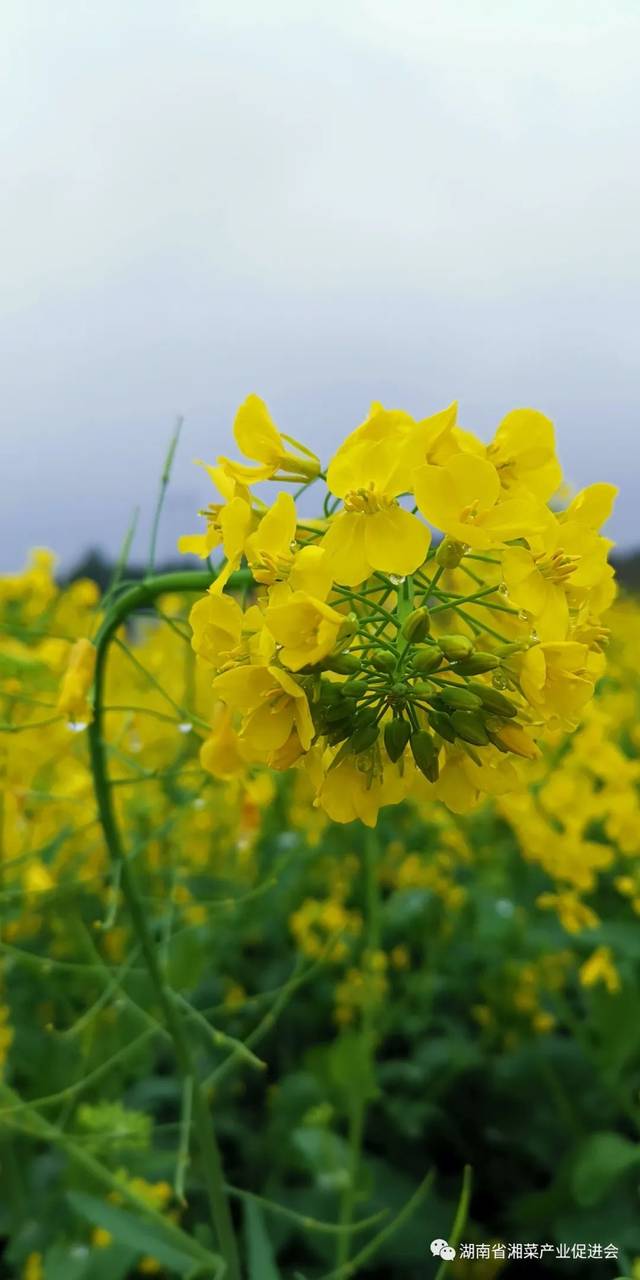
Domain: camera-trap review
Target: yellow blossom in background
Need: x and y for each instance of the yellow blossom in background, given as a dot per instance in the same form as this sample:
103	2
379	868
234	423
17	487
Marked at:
33	1268
600	968
76	683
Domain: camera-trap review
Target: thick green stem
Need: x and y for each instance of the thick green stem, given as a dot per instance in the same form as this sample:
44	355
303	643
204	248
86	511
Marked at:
131	600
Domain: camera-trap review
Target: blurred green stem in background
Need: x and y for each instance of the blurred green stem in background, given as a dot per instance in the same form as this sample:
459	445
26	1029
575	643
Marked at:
360	1097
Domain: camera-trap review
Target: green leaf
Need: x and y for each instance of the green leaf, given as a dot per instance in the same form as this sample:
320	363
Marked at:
261	1262
79	1262
66	1262
599	1162
350	1068
140	1236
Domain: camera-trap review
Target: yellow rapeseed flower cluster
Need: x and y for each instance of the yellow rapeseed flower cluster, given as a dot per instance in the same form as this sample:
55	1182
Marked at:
424	632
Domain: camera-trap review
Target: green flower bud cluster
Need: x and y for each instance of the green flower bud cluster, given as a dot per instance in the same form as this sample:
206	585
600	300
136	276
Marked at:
428	683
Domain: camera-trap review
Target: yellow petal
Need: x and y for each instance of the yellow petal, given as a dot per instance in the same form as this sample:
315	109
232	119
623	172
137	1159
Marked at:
593	505
194	544
395	541
256	434
344	544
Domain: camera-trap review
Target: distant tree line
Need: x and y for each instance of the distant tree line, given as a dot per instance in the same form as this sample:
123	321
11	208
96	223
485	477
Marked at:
100	568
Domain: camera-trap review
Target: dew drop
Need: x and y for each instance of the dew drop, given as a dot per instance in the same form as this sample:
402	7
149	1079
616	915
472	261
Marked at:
524	616
76	726
185	726
504	907
397	579
499	680
503	589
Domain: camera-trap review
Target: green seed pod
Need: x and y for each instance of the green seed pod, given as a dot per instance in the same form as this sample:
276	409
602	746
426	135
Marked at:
345	664
477	663
416	626
396	737
441	723
364	738
383	661
355	688
450	553
469	727
425	754
493	700
455	647
427	658
458	696
507	650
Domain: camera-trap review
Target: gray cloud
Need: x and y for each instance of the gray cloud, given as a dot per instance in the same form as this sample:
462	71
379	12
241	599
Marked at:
325	203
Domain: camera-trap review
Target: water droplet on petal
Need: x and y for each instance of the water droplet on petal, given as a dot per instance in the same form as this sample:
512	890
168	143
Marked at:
185	726
524	616
397	579
76	726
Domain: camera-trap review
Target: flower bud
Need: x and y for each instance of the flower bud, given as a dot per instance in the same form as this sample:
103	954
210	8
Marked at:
339	732
349	627
396	736
427	658
416	626
441	723
355	688
426	688
367	715
425	754
382	660
345	664
450	553
340	710
364	738
458	696
513	738
493	700
455	647
477	663
469	727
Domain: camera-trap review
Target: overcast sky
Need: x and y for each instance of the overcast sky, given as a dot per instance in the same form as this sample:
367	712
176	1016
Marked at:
326	203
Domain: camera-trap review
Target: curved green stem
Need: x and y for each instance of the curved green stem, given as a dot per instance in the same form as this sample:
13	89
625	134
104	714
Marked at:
139	596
